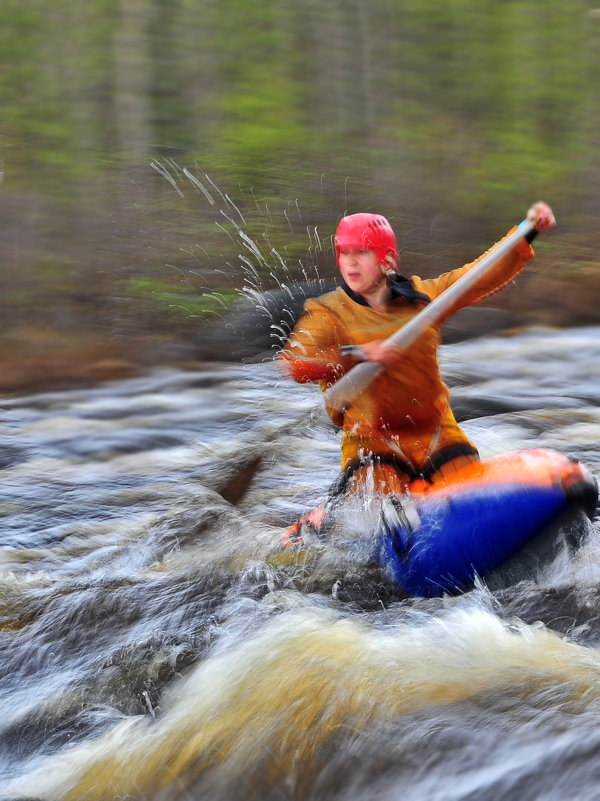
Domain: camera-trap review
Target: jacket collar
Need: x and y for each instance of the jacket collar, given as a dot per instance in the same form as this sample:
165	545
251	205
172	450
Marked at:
402	288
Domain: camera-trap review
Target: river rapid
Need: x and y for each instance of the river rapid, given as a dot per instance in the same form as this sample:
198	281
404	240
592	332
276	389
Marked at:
157	644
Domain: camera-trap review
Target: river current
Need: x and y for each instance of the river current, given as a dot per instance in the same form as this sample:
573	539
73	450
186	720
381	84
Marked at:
157	644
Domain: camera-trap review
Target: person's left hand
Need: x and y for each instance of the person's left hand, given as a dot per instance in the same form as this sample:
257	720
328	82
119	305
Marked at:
540	214
385	354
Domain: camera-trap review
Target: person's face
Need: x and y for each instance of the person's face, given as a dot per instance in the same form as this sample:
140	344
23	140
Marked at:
361	270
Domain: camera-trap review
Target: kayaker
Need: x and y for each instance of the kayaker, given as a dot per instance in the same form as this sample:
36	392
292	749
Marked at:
401	429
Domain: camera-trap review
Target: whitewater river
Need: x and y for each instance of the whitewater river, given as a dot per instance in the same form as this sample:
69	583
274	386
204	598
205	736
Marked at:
157	644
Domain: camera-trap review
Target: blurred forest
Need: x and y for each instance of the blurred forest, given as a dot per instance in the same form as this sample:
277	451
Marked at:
158	157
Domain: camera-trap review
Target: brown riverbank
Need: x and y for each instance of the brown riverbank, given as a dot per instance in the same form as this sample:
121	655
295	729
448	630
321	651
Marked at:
85	342
42	357
38	359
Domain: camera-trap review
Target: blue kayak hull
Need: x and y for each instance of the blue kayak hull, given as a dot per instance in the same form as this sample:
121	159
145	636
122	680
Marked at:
440	541
468	536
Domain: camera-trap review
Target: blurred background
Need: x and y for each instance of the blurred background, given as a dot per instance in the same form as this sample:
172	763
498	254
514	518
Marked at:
160	157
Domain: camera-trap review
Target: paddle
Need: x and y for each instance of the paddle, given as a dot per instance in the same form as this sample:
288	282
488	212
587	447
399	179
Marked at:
342	393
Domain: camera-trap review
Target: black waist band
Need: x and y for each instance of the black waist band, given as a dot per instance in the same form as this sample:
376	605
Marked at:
434	463
445	455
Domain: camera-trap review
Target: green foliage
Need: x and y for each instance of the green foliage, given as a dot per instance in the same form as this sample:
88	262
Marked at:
177	301
482	97
299	111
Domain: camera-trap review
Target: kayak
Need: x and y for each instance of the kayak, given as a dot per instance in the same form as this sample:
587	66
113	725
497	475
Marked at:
438	539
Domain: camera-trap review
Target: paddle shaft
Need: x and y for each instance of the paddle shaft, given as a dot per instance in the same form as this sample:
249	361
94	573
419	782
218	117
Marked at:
343	392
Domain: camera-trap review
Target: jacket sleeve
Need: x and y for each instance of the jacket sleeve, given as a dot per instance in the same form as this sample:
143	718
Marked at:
502	273
312	351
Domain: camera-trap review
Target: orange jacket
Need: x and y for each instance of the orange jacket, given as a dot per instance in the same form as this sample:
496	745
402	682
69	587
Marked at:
410	397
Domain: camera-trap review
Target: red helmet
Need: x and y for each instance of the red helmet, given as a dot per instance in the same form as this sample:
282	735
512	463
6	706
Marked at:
370	231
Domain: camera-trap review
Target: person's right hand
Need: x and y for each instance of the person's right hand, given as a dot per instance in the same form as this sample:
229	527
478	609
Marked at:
540	214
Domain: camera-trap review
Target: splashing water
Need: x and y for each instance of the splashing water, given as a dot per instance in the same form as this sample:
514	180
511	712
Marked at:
157	643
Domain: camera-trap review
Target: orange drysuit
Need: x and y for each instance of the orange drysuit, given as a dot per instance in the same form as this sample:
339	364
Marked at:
403	418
